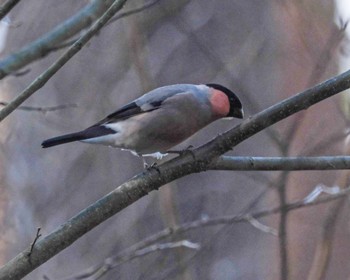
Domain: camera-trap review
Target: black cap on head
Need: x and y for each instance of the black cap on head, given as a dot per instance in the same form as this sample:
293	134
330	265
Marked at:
236	109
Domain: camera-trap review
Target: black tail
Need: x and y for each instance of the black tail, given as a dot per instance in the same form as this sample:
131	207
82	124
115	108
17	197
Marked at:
91	132
63	139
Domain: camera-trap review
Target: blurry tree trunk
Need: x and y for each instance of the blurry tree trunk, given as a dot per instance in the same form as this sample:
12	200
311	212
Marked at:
307	54
6	228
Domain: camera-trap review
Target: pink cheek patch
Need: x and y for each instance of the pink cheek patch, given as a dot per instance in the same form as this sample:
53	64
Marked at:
220	103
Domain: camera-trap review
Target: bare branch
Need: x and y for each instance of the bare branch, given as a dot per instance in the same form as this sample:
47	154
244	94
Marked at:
150	180
43	109
281	163
318	190
282	227
114	19
258	225
40	81
42	46
134	11
37	236
7	7
257	215
205	222
111	263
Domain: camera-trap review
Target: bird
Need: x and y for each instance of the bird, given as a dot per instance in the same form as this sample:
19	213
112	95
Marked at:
159	120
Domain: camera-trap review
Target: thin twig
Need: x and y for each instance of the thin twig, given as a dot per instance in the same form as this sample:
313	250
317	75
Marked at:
112	262
43	109
114	19
37	236
20	72
264	228
282	228
134	11
204	222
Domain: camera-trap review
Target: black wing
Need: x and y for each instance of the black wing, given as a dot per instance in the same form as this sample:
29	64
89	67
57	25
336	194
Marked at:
125	112
129	110
146	103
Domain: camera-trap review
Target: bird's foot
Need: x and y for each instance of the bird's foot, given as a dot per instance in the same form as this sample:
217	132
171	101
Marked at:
151	166
156	155
188	150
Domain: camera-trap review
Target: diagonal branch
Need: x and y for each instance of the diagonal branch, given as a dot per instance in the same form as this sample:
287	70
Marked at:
40	81
7	7
42	46
143	183
110	264
114	19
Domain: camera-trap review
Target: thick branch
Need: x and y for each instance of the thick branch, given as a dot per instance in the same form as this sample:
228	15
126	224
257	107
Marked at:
281	163
58	64
148	181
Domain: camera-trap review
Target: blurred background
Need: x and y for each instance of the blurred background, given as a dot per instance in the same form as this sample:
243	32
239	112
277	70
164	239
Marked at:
264	51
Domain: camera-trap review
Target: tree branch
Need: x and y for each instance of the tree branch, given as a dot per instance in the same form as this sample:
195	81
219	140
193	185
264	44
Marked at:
43	109
42	46
111	263
204	222
114	19
40	81
7	7
150	180
281	163
134	11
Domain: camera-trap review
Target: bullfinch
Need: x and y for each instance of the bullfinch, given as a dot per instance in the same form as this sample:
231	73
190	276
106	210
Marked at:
160	119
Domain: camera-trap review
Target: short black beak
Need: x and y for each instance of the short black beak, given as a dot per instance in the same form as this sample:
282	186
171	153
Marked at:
238	113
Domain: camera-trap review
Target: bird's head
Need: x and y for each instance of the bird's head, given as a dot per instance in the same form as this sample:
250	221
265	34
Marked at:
235	109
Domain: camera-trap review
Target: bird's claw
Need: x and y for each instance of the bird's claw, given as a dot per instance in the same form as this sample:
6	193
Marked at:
152	166
184	151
